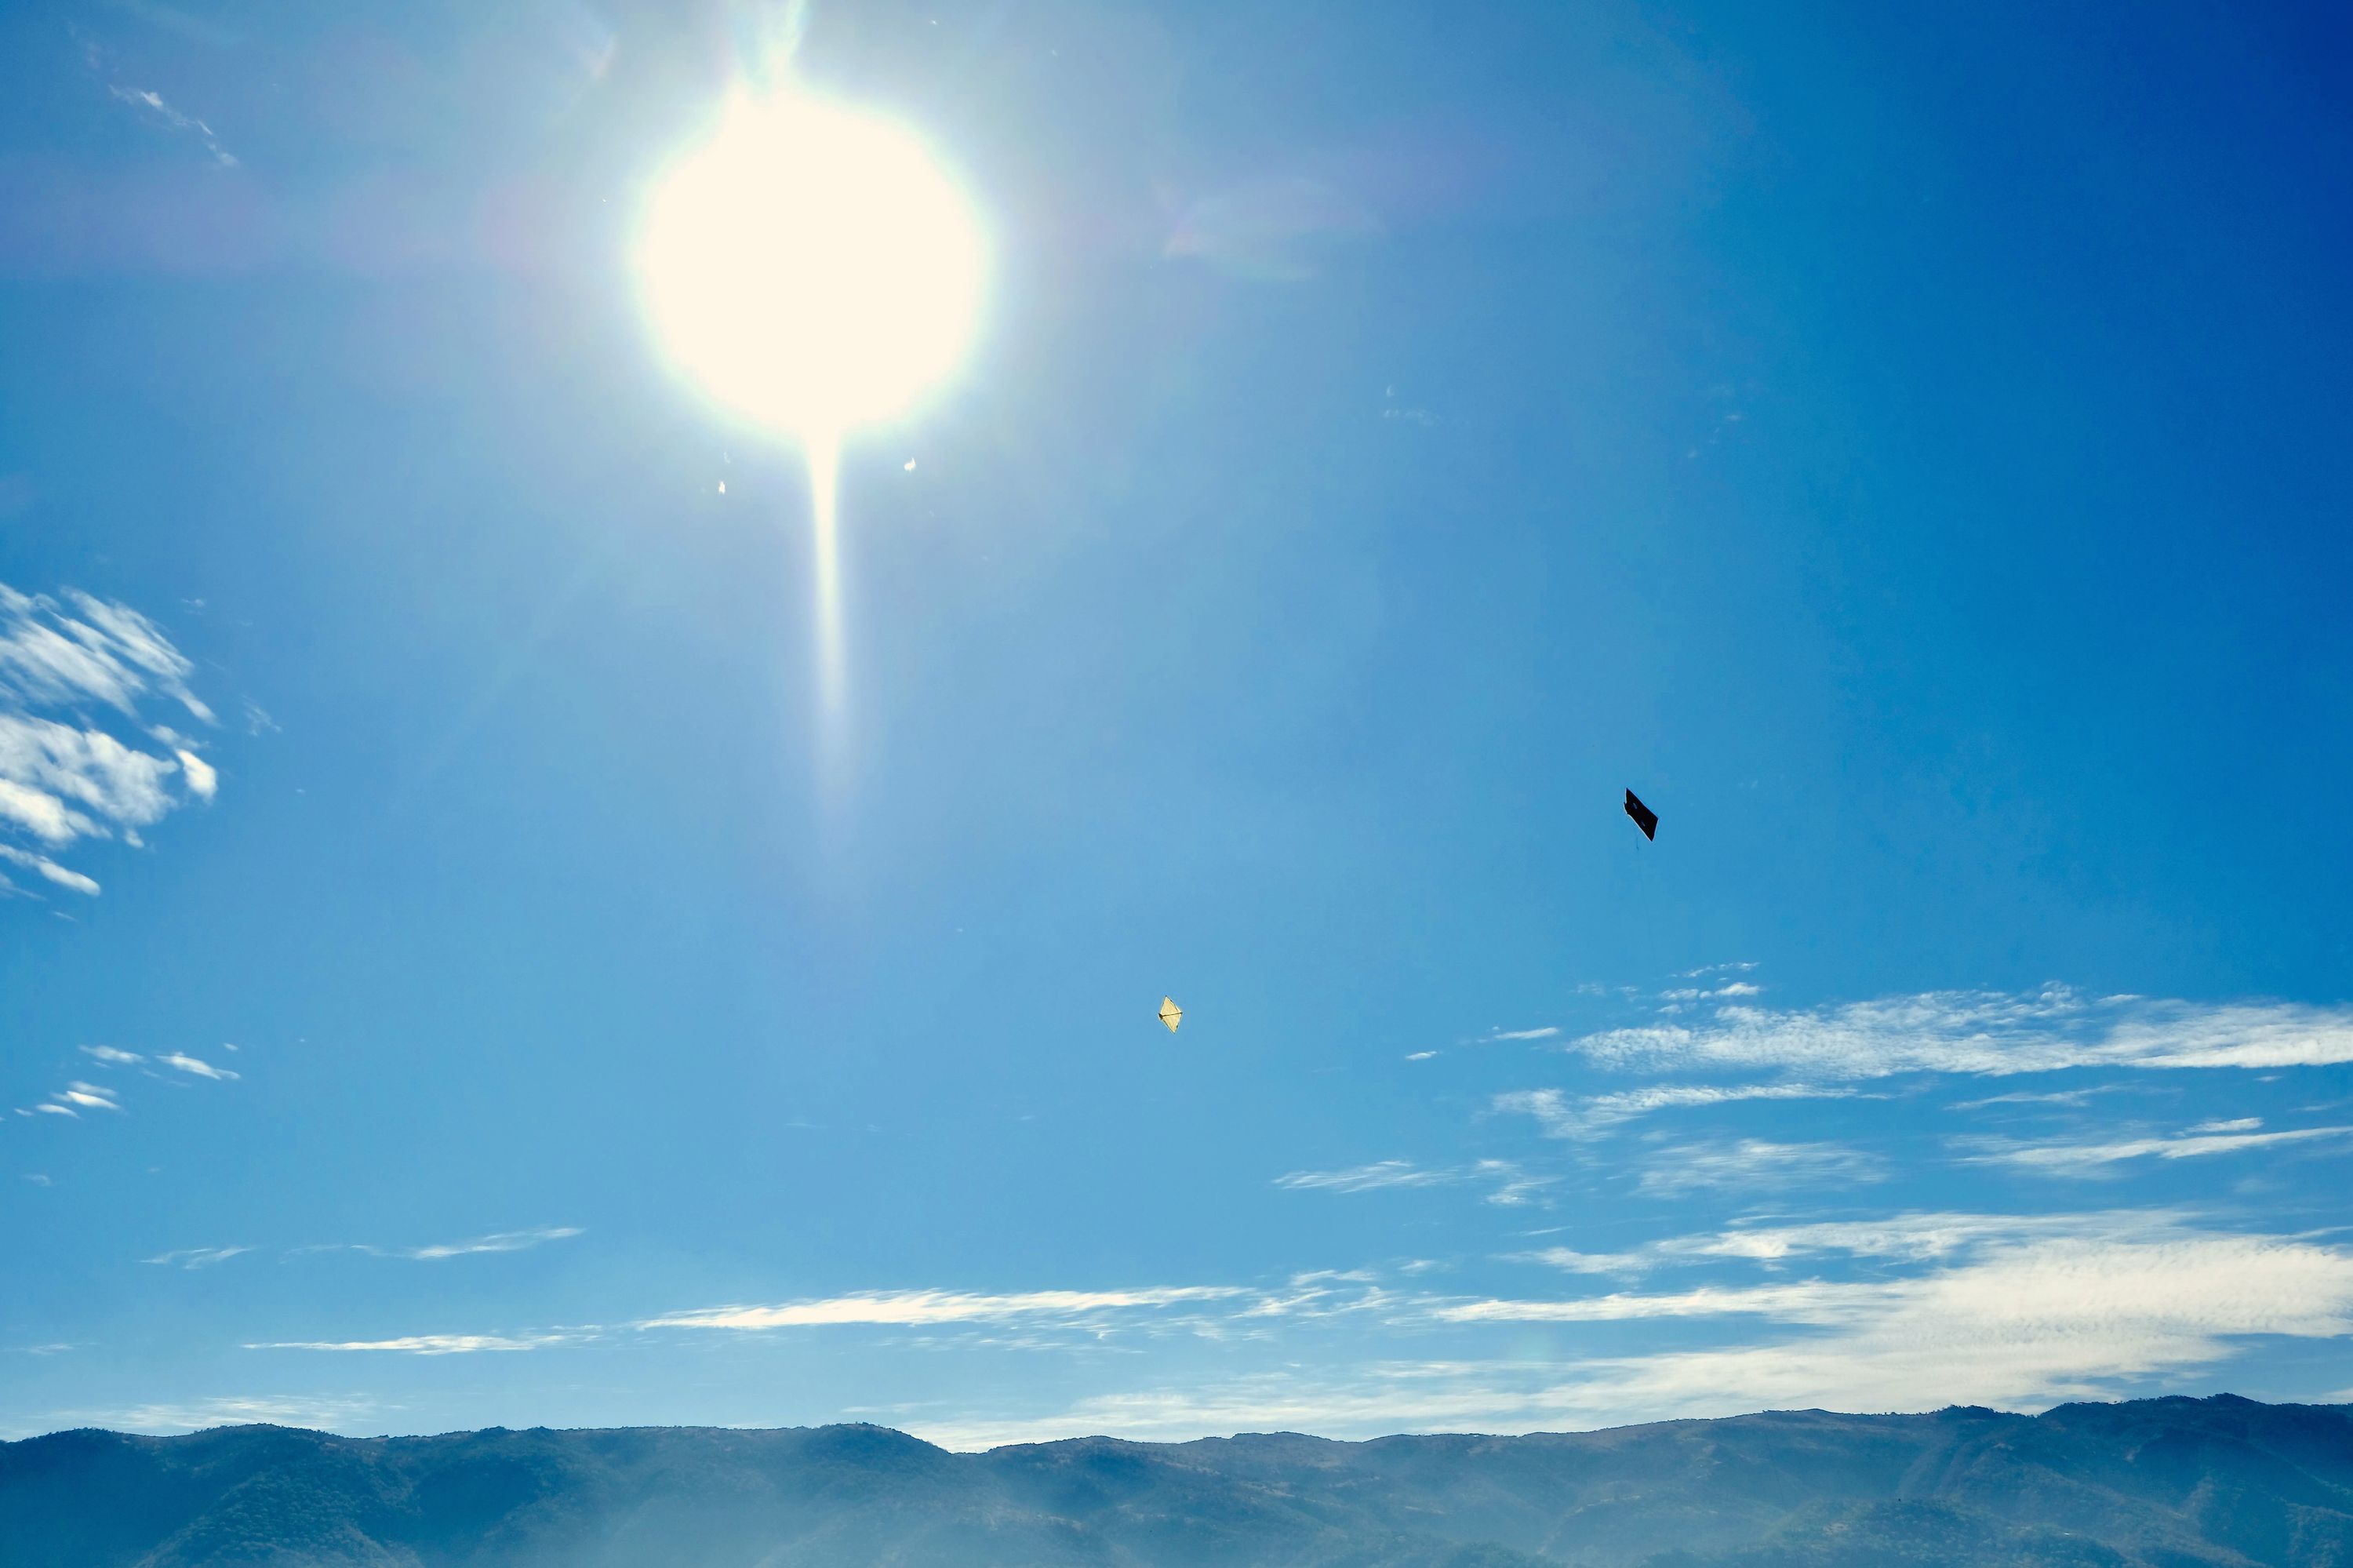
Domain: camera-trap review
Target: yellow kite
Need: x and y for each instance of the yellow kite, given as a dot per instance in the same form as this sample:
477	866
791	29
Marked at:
1170	1013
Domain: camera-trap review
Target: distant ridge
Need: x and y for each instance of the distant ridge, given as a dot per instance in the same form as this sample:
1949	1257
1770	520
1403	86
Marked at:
2161	1483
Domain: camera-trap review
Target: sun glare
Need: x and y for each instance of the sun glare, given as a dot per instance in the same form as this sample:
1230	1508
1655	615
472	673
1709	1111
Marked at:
815	270
811	266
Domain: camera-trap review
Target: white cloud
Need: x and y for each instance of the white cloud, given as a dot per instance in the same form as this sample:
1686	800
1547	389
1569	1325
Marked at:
109	652
2020	1326
55	1109
1561	1117
2085	1159
1575	1261
91	1097
111	1054
1755	1163
43	815
204	780
911	1308
1546	1033
48	869
196	1257
80	776
63	779
195	1067
1985	1033
2025	1325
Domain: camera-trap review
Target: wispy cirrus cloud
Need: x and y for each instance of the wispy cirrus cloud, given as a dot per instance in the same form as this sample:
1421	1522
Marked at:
907	1309
435	1252
425	1344
1913	1237
79	1095
2068	1097
196	1068
1032	1318
1757	1163
1682	999
2095	1157
1367	1178
113	1056
1561	1115
45	868
1512	1184
1734	968
150	104
196	1257
102	651
64	778
1984	1033
86	1096
502	1241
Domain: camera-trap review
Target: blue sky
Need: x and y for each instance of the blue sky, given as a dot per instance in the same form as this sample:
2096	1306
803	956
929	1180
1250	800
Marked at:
446	984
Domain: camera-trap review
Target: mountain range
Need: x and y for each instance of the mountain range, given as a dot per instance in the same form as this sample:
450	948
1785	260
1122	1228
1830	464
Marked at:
2162	1483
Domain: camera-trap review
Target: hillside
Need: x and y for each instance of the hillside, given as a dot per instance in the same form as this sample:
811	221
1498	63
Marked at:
2167	1483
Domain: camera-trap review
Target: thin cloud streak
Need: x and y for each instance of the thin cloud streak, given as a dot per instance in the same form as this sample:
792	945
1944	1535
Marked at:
422	1344
196	1068
1909	1237
1366	1178
504	1240
152	105
2081	1158
91	1096
1558	1116
1985	1033
501	1241
901	1309
196	1257
1513	1185
1753	1163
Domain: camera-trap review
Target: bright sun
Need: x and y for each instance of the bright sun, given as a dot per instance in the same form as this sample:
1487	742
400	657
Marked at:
816	271
812	266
